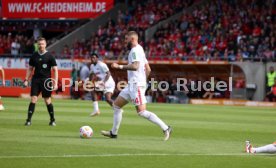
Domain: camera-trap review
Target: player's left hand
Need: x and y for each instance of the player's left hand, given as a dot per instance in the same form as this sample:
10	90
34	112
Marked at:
99	85
115	65
55	86
25	84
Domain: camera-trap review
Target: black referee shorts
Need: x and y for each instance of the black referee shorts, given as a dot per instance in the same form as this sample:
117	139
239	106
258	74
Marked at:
41	85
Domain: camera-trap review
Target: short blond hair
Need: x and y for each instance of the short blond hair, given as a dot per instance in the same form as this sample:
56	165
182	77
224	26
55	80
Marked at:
133	33
41	39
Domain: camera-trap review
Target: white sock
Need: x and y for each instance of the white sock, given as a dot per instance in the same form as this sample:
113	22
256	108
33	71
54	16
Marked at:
96	106
154	119
271	148
117	118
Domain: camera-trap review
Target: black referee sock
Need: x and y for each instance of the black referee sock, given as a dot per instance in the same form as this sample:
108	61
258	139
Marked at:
50	108
31	111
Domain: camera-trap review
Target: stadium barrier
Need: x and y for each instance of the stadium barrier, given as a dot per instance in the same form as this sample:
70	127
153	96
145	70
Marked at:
15	73
249	72
227	102
15	70
15	79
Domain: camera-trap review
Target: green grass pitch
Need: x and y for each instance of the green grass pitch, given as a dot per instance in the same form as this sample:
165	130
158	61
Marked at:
203	136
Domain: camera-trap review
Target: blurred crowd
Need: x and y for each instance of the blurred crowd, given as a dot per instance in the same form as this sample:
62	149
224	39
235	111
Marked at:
18	38
16	45
107	41
221	30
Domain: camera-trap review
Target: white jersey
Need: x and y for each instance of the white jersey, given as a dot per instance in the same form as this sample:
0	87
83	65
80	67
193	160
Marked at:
137	54
100	70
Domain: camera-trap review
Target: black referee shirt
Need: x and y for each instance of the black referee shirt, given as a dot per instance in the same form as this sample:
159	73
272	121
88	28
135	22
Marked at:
42	64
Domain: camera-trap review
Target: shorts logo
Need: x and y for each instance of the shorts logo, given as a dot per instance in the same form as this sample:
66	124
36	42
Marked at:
44	65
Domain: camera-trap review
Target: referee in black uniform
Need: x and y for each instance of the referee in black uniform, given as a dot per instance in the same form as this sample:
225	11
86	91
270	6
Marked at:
42	62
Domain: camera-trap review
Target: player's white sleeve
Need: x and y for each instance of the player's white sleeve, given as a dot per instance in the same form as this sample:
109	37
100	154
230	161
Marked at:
146	60
135	56
105	68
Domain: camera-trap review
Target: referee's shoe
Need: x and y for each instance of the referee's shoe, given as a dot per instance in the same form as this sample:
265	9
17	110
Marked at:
51	123
28	123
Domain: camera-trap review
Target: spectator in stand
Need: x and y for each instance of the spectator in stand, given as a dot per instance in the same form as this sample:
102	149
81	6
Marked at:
270	77
29	47
173	86
74	78
160	98
15	48
271	95
2	51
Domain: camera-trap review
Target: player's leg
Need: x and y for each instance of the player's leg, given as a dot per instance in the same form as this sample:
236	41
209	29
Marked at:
35	91
1	105
31	110
96	110
108	99
118	104
50	108
46	94
271	148
108	92
140	105
152	117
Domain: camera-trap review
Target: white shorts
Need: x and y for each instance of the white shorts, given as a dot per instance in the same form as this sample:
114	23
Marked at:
135	94
109	86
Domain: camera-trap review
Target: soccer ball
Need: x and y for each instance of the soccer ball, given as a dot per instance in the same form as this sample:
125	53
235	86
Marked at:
86	132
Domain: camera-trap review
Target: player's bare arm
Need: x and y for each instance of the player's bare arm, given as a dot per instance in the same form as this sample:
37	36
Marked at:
147	69
55	77
108	74
28	75
130	67
3	76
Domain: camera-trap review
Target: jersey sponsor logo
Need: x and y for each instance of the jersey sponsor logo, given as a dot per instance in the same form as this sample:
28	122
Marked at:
134	55
44	65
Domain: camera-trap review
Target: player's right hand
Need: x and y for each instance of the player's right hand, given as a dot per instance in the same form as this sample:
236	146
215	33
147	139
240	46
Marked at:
115	65
25	84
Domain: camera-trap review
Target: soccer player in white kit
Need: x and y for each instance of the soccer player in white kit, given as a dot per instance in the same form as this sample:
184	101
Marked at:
100	74
138	70
3	84
270	148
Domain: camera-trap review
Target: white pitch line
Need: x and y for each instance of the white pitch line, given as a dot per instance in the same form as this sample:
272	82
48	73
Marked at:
133	154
